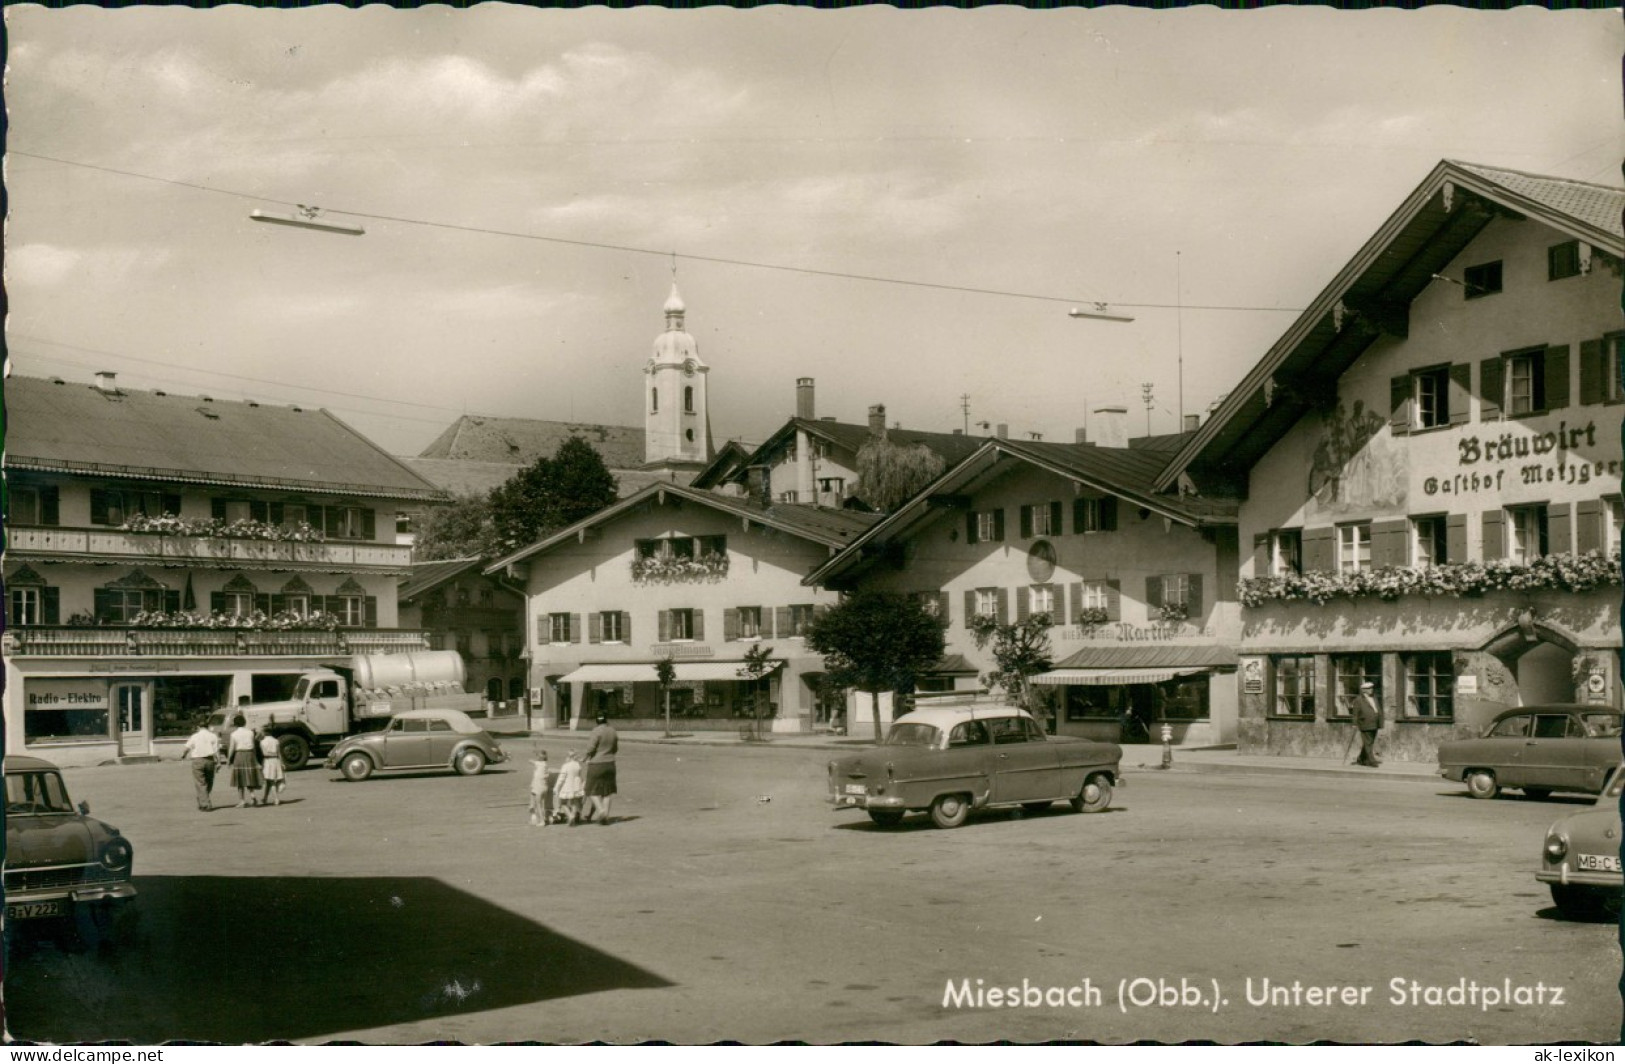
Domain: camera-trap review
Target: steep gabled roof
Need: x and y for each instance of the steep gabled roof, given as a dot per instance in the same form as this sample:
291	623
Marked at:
478	478
427	575
1372	293
520	441
730	457
1126	473
951	447
825	527
80	428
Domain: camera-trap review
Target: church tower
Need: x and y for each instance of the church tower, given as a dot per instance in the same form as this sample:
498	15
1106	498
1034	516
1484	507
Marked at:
676	419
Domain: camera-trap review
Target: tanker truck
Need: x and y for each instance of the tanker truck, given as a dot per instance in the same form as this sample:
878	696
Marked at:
332	702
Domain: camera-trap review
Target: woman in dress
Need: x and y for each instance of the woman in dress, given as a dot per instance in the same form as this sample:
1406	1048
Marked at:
275	774
243	755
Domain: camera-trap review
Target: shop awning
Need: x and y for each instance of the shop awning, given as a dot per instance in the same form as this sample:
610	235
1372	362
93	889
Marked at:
1110	677
643	672
714	670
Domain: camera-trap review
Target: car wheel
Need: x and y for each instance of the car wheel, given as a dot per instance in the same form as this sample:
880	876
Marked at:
356	767
1095	796
1539	794
949	811
1035	807
1575	903
294	750
99	925
1481	783
886	818
470	762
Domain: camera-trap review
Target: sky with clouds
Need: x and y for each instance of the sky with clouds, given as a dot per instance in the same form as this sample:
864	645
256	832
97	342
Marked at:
1226	162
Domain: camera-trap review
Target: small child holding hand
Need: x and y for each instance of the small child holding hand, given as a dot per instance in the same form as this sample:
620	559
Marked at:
571	787
541	813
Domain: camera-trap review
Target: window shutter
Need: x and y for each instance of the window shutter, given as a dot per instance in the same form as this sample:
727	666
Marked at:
1559	527
1461	390
1455	538
171	502
1319	549
171	601
103	603
1261	554
970	607
318	603
970	527
1388	543
575	627
1001	606
699	624
1077	602
595	628
262	602
217	602
1055	518
369	607
1588	525
50	505
330	521
1557	377
1399	404
369	524
1114	600
278	603
1495	545
942	607
626	627
1153	592
998	525
276	513
1490	387
100	505
1108	514
665	626
51	605
1023	604
1026	522
259	510
1193	597
1592	389
730	624
217	509
1078	508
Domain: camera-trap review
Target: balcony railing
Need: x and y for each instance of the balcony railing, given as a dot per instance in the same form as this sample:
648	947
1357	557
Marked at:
71	641
204	549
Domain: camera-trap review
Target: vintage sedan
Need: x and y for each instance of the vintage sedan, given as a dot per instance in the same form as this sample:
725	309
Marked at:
418	740
1538	749
61	864
1580	860
950	761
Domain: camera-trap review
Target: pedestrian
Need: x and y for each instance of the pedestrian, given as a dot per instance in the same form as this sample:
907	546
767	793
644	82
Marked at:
541	808
203	750
275	772
600	756
1368	719
244	756
569	788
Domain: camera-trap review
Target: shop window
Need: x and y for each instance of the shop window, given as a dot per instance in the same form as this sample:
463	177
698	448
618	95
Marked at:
1094	703
65	710
1430	682
1429	542
1185	699
1529	530
1563	260
558	628
1482	280
1294	694
1349	671
1354	547
1286	551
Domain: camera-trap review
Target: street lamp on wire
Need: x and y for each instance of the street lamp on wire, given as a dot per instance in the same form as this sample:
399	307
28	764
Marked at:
307	218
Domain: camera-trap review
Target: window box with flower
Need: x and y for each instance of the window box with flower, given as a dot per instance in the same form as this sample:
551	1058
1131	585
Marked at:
670	568
1093	616
1555	572
168	524
1172	612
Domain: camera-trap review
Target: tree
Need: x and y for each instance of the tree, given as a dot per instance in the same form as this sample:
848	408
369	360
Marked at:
1021	651
665	674
889	474
461	529
758	663
876	641
550	494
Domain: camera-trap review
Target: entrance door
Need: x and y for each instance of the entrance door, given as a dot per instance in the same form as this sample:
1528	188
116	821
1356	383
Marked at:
131	702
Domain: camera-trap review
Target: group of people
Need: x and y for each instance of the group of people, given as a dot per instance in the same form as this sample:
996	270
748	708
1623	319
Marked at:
588	776
255	760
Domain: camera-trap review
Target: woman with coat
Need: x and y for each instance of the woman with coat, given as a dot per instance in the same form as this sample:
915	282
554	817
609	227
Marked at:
243	754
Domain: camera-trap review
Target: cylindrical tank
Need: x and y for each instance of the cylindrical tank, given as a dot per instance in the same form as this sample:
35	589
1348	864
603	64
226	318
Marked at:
417	666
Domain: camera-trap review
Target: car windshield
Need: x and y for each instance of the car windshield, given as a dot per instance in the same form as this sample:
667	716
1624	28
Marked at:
912	735
301	689
36	792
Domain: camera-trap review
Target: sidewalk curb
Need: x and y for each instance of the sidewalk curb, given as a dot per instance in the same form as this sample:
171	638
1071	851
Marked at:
1220	768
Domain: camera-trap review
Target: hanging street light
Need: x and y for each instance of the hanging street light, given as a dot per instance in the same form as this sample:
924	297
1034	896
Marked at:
1098	311
307	218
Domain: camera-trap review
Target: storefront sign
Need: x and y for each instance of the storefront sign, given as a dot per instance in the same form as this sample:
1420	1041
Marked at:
1467	684
1252	676
680	650
1130	633
67	694
1550	457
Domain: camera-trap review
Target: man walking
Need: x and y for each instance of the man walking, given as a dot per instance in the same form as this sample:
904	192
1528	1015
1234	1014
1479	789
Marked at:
203	749
1368	719
600	755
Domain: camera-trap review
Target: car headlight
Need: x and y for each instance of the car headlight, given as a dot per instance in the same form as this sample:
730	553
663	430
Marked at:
1557	848
117	855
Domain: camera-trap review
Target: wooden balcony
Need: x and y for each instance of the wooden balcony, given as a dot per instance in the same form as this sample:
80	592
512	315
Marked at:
72	641
93	544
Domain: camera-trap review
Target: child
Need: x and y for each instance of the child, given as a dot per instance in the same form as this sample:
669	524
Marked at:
276	777
570	788
541	812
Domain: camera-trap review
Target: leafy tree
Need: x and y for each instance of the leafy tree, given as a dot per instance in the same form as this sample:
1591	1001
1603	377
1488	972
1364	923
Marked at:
889	474
1021	651
876	641
551	493
665	676
462	529
758	663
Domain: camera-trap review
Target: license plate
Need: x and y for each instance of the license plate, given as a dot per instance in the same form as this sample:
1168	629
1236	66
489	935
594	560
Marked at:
31	910
1598	862
855	788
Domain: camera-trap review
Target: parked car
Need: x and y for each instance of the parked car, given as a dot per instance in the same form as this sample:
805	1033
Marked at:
61	864
1580	859
418	739
1538	749
950	761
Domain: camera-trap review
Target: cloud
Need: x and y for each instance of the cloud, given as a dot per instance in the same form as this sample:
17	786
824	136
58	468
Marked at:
48	265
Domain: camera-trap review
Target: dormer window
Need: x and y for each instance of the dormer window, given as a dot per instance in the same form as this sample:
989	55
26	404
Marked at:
1482	280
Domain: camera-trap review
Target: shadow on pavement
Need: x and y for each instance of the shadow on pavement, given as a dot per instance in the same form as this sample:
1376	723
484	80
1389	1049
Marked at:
225	959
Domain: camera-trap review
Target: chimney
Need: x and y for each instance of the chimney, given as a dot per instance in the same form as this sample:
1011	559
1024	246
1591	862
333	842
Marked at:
877	419
1111	424
760	478
1002	431
804	398
1080	435
1193	422
959	432
104	381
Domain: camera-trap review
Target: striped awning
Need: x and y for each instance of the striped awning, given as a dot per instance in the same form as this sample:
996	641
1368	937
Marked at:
1110	677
